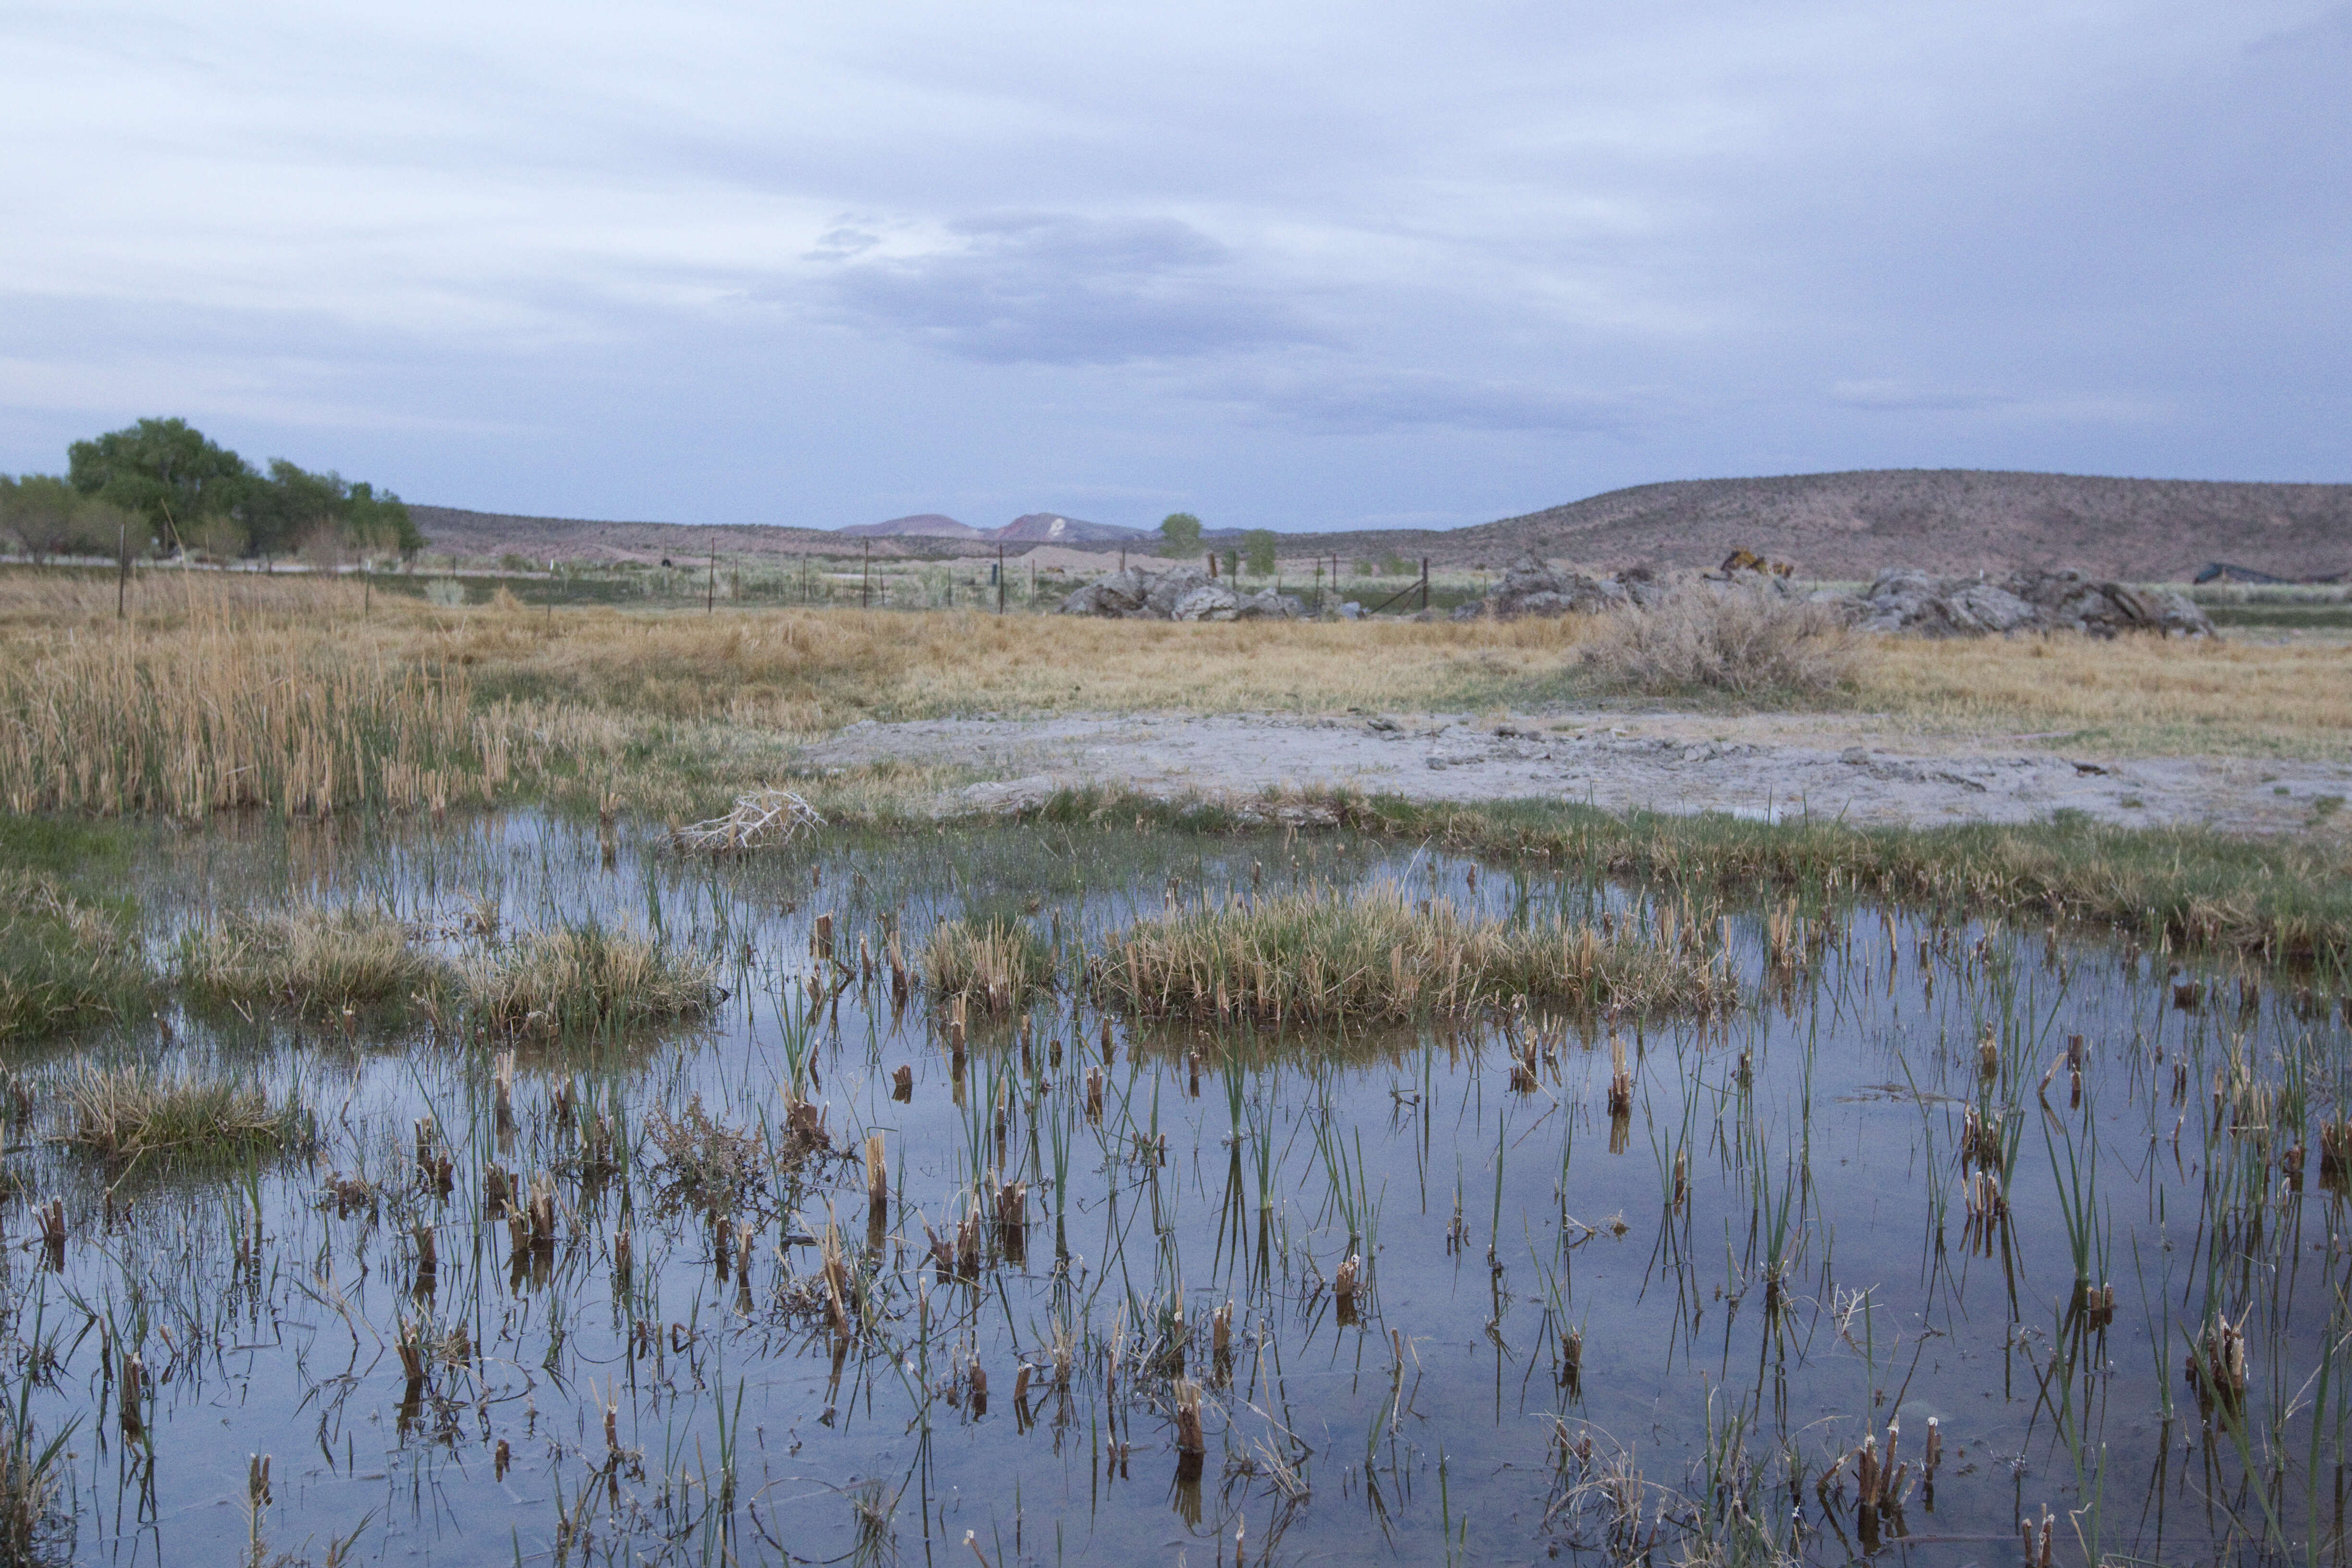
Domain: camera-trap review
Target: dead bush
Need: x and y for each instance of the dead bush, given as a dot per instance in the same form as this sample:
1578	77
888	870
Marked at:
1737	639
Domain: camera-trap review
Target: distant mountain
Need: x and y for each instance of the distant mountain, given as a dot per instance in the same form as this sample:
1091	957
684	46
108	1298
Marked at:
922	525
1053	528
1841	525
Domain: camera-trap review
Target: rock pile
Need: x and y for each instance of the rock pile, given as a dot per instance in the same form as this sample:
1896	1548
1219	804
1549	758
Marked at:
1919	603
1532	588
1184	594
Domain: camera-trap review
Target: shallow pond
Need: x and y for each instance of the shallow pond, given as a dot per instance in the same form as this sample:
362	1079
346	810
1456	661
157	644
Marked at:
1861	1200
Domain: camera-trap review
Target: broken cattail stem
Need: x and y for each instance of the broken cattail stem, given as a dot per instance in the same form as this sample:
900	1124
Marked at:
877	1177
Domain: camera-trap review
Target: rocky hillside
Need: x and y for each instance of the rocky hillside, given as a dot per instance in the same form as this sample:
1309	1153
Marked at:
1843	526
476	535
1849	525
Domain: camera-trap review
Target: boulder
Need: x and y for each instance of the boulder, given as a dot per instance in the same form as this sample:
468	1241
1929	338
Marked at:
1116	594
1184	594
1268	605
1204	601
1532	588
1919	603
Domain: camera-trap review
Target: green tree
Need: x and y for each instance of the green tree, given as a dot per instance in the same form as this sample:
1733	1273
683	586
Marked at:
380	520
43	516
165	469
1180	535
1260	548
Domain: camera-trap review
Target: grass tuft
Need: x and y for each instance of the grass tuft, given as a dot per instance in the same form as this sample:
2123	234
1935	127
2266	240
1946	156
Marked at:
1324	957
64	963
122	1113
998	963
584	979
313	957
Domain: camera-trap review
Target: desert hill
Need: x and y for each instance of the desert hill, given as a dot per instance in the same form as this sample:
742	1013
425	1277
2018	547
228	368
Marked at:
1841	525
923	526
1849	525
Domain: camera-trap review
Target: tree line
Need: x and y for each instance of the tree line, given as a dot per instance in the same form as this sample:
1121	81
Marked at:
1180	538
163	487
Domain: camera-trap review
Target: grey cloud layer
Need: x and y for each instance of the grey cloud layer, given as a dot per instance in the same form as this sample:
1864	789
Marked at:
1294	264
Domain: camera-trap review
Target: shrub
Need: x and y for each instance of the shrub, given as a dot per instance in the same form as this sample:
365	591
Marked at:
1738	639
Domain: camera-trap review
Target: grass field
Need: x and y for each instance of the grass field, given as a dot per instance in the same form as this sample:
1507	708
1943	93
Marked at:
229	692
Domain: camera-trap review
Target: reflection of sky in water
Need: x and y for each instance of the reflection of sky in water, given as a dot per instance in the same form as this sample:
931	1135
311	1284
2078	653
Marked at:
1826	1115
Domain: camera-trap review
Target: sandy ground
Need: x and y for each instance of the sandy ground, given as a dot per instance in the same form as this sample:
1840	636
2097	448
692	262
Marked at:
1760	765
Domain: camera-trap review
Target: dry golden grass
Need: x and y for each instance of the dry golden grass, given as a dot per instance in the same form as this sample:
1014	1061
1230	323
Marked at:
2139	694
228	691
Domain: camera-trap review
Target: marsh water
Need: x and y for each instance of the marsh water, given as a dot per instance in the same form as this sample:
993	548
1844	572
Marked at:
1663	1332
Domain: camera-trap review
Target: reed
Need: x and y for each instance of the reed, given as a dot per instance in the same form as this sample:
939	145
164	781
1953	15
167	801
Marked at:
228	707
587	979
313	958
1320	956
998	964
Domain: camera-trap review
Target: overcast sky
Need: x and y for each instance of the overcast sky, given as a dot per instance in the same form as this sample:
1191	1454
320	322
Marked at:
1290	265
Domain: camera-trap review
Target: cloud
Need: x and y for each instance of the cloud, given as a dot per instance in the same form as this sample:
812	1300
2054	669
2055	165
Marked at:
1360	399
1059	288
1903	396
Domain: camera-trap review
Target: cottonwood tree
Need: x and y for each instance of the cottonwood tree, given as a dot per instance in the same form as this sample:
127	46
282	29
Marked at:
1260	550
165	469
1180	535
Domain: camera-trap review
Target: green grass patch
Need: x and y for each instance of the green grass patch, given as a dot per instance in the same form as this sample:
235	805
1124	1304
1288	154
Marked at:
997	964
126	1113
65	963
314	958
2285	899
1373	957
586	979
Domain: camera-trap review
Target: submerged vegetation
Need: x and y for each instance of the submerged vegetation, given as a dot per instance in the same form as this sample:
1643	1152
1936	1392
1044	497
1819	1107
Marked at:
1328	957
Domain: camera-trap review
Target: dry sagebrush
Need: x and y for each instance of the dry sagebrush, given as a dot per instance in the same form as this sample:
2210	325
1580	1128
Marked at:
1741	640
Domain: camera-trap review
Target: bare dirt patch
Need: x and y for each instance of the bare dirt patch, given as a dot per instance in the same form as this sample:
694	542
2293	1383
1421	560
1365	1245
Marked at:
1761	766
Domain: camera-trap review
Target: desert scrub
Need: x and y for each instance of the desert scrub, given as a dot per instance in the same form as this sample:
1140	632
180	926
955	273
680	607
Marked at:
1327	957
122	1113
1740	640
314	957
997	964
64	963
584	979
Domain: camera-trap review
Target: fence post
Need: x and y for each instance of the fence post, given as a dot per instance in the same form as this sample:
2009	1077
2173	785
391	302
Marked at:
866	577
1424	584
